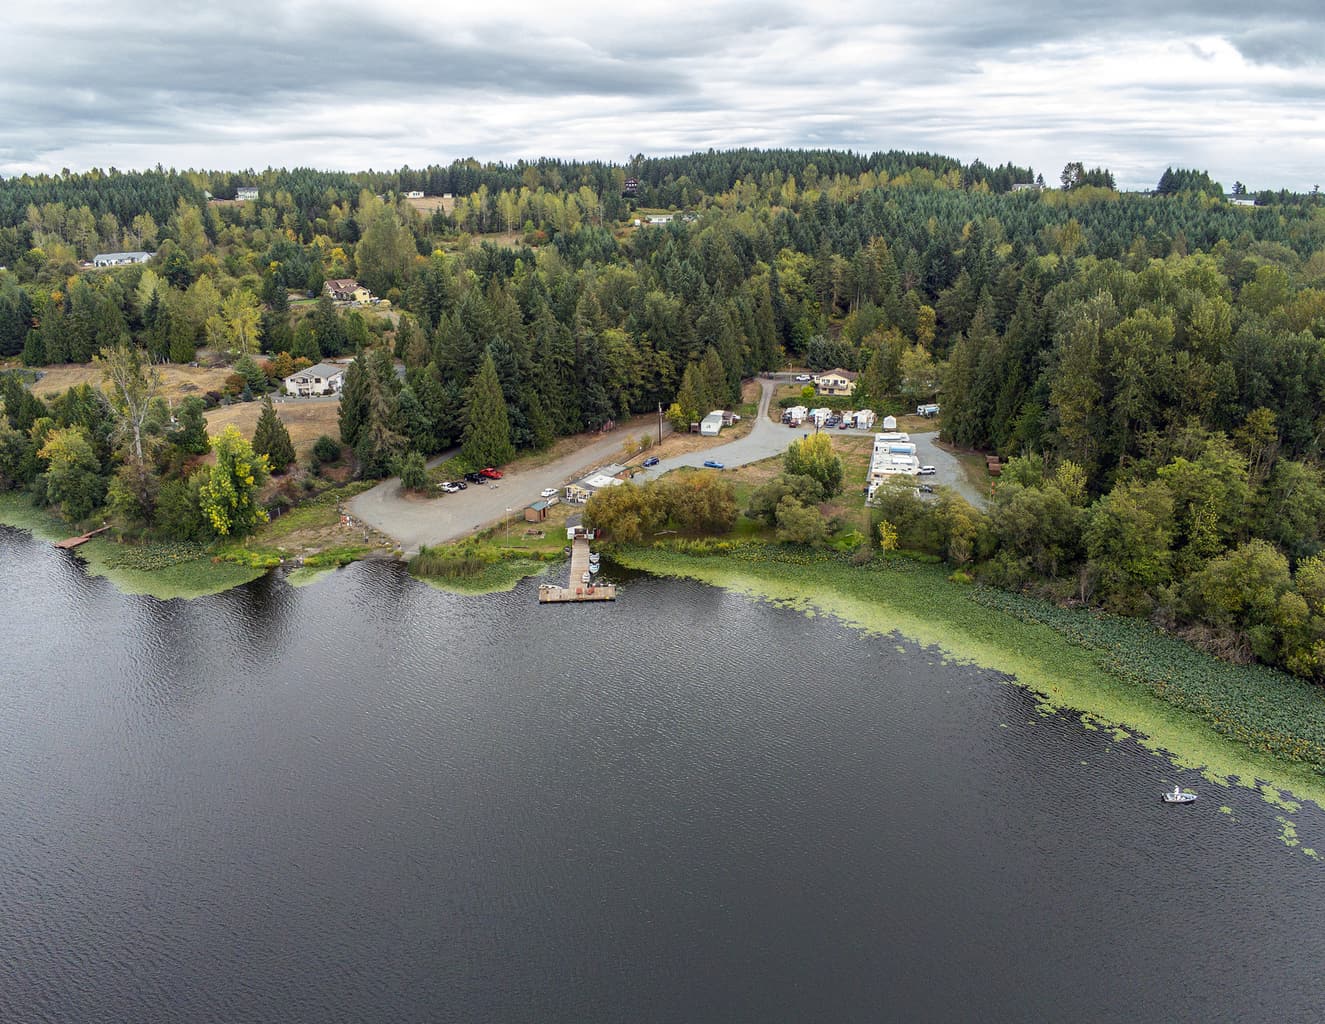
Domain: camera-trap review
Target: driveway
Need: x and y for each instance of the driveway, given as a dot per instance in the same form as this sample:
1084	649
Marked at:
413	522
764	441
948	471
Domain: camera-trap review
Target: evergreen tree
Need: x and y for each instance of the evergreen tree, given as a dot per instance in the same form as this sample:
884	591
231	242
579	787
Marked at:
380	442
354	401
305	342
487	439
270	438
190	434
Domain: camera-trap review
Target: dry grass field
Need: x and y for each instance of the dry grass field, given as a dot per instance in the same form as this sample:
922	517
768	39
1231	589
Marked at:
305	420
429	205
178	380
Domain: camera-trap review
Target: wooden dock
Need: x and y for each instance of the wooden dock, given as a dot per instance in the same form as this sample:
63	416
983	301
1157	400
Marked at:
73	542
577	590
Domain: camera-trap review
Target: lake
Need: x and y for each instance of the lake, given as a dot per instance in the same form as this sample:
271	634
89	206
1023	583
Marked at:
369	800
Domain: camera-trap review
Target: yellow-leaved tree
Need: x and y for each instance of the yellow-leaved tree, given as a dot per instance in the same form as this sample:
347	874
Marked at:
227	495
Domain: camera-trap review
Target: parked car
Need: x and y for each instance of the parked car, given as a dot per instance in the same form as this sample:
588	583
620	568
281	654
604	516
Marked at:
548	492
489	473
652	460
474	478
832	421
802	378
712	464
843	425
927	471
924	489
460	485
448	487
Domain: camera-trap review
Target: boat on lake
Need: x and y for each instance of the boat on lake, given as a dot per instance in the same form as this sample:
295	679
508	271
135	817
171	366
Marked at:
1178	797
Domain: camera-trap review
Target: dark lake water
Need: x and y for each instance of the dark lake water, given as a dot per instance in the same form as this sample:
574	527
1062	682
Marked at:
367	800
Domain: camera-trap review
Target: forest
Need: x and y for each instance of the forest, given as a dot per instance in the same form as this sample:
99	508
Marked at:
1151	363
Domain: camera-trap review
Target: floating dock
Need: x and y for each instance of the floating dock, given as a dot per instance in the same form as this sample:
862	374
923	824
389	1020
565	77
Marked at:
73	542
578	590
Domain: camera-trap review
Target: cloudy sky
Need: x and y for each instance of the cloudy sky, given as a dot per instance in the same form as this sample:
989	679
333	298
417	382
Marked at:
1235	88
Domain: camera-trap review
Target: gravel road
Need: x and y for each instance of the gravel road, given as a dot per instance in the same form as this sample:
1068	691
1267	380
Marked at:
413	522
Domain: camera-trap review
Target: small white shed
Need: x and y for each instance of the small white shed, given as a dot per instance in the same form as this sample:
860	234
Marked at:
890	423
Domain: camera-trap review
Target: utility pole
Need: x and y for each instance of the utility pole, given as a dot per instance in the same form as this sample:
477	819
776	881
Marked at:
660	422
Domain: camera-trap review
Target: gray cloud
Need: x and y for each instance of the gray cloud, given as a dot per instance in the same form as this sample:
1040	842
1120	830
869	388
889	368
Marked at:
246	84
1291	45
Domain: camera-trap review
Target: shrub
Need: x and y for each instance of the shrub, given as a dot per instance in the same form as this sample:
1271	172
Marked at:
326	449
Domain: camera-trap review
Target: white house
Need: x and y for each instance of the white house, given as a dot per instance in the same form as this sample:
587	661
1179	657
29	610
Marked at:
711	424
414	194
120	259
579	493
321	379
247	193
837	382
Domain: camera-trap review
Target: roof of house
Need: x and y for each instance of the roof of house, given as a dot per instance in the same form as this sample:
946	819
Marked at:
839	372
319	370
342	284
537	506
122	255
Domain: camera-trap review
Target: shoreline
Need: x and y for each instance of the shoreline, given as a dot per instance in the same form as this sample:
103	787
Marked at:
902	597
909	599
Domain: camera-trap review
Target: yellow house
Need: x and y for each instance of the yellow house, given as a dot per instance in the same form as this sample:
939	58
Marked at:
837	382
346	289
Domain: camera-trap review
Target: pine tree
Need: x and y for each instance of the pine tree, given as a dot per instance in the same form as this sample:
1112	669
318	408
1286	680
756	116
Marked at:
487	429
270	438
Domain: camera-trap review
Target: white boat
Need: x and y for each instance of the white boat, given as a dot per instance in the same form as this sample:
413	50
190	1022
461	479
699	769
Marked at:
1178	797
593	567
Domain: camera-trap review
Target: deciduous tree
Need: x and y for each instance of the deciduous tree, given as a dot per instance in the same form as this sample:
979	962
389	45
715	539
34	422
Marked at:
227	497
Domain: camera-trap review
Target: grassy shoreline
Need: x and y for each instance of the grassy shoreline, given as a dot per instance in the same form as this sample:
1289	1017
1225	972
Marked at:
163	571
920	603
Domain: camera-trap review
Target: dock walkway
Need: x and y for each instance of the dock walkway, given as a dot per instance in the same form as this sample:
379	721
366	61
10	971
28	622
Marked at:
73	542
577	589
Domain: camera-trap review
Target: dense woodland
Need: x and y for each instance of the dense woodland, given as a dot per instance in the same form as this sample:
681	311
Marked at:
1152	363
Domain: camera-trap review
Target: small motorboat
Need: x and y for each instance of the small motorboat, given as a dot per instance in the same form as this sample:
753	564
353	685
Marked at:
593	568
1177	796
593	557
